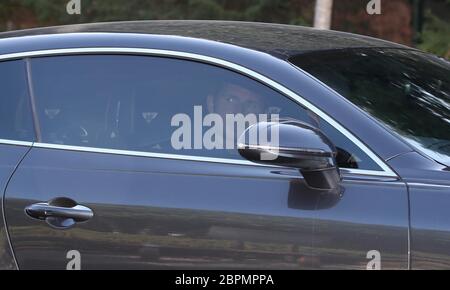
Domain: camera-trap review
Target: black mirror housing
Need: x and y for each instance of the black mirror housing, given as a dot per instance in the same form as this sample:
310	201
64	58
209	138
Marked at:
298	145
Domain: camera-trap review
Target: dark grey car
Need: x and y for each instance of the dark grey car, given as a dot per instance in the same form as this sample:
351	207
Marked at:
86	171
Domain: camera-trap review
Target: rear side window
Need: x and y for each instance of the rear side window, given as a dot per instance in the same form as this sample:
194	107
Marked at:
15	113
138	103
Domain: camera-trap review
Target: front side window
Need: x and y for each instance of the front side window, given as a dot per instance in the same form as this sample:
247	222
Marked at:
143	103
408	91
15	114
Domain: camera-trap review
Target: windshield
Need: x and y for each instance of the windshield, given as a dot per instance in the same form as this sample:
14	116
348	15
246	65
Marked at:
408	91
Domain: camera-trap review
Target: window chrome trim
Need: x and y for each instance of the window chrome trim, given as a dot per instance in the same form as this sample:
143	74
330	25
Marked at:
183	157
386	170
17	143
141	154
436	186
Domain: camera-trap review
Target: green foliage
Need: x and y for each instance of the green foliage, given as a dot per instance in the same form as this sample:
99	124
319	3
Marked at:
44	9
436	36
205	9
53	11
269	10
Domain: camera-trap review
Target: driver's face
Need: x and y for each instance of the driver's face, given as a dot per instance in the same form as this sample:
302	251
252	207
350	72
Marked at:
234	99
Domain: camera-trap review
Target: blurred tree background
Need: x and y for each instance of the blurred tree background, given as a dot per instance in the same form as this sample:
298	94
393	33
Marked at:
396	23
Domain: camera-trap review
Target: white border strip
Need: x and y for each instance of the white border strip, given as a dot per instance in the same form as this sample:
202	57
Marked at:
387	171
18	143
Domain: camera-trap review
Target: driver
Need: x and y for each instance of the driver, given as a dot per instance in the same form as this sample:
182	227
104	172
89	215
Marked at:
231	98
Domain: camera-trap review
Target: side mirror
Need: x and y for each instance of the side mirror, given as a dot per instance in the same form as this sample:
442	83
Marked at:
298	145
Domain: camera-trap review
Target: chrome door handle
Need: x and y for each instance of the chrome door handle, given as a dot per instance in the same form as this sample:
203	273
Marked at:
59	213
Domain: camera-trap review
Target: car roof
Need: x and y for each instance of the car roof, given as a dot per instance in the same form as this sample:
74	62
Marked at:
282	41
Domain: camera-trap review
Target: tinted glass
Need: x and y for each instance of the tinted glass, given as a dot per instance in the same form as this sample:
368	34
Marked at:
408	91
136	103
15	114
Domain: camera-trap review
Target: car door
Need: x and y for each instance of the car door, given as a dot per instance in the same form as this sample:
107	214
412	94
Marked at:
16	136
108	184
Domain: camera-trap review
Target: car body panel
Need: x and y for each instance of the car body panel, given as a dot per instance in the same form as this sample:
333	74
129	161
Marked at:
430	226
429	194
170	214
10	157
276	39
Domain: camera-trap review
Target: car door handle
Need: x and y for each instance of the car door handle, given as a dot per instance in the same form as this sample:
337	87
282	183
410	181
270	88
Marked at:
60	213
